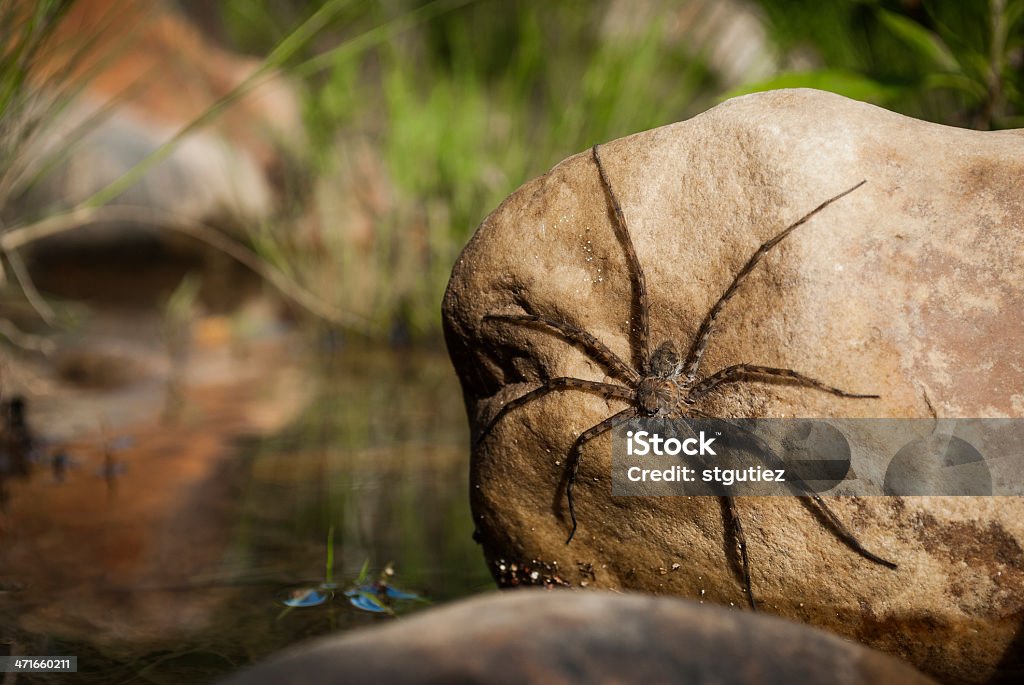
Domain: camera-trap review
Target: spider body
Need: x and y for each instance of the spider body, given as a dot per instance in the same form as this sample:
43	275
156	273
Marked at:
661	383
665	362
657	396
663	393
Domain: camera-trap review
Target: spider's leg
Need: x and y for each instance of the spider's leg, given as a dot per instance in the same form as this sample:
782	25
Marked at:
594	348
576	452
700	342
843	533
815	503
739	373
639	326
733	517
561	383
734	526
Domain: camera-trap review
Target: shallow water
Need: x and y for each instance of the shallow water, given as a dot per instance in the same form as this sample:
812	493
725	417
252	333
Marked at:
165	550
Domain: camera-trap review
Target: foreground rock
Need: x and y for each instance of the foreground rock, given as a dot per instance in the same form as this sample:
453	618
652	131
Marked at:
909	288
563	637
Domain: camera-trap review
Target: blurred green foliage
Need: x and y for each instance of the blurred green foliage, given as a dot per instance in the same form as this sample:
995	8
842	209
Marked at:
24	31
465	108
422	116
952	62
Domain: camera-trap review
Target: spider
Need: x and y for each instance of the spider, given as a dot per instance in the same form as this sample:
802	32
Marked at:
661	383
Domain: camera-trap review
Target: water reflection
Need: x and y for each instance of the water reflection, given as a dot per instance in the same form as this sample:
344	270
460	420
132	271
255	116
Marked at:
306	597
182	575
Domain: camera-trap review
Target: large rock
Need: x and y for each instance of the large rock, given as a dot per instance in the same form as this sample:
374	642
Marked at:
909	287
562	637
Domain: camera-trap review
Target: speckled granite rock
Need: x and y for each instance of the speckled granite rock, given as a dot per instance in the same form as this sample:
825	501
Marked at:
567	637
909	287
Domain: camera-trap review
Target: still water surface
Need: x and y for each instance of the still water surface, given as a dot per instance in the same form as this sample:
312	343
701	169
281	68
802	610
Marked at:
166	551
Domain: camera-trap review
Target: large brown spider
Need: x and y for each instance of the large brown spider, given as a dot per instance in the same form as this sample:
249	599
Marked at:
662	384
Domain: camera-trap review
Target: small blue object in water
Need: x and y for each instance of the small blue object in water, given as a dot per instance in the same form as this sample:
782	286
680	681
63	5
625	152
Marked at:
376	597
367	600
393	593
305	597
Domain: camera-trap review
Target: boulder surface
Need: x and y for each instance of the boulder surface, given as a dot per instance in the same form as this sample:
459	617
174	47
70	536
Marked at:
909	288
534	636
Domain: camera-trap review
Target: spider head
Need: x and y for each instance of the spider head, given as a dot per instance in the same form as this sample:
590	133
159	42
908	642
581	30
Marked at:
657	396
665	361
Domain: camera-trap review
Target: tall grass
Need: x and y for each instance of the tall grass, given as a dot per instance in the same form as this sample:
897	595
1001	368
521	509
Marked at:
416	141
25	30
31	109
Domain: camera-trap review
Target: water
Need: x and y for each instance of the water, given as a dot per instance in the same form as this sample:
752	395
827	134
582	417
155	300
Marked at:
178	552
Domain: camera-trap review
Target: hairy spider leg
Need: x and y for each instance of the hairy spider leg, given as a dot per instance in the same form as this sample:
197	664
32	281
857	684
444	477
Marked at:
739	373
700	342
816	503
733	517
606	390
594	348
576	453
843	533
813	502
640	327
